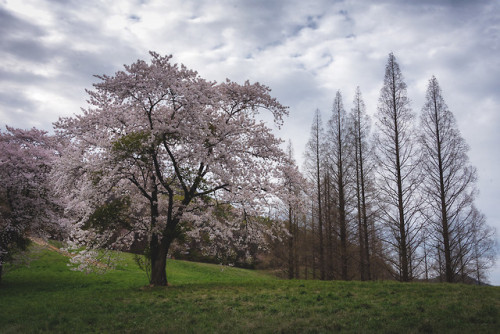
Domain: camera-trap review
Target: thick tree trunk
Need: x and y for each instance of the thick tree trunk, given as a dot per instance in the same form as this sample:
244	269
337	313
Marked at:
158	246
159	251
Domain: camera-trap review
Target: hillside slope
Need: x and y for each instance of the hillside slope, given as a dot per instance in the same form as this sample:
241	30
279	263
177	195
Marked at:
204	298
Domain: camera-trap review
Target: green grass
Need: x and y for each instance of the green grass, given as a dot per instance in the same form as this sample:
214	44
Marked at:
202	298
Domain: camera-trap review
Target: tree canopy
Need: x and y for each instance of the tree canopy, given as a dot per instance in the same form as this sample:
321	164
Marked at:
174	142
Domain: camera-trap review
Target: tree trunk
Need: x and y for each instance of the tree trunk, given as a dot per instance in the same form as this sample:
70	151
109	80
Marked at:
401	207
478	269
159	250
158	246
358	207
306	251
363	208
440	262
341	192
426	266
313	244
329	231
320	223
343	240
442	195
295	247
343	227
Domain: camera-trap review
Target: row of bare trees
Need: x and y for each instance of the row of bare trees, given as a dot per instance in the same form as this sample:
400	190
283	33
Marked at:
397	203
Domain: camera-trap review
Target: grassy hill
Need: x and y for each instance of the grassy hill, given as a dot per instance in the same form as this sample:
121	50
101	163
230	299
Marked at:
47	297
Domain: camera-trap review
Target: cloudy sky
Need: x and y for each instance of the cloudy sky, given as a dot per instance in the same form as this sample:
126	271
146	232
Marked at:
304	50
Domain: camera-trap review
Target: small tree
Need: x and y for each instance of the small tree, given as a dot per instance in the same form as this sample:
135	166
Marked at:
172	141
484	249
27	204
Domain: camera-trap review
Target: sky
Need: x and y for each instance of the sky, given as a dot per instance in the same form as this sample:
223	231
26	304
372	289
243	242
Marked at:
303	50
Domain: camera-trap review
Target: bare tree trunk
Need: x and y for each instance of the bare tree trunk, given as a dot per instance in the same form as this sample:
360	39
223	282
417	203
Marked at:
363	197
320	219
402	227
313	245
314	161
440	264
338	134
426	262
358	207
343	234
478	269
329	229
305	255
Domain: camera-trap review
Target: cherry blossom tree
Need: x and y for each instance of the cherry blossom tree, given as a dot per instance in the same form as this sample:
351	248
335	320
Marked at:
158	147
27	204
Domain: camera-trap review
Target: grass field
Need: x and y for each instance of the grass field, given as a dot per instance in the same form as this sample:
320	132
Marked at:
202	298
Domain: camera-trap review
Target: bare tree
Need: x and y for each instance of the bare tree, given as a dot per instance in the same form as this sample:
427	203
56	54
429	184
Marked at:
313	162
476	248
360	129
484	247
449	186
338	164
398	172
293	200
331	224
